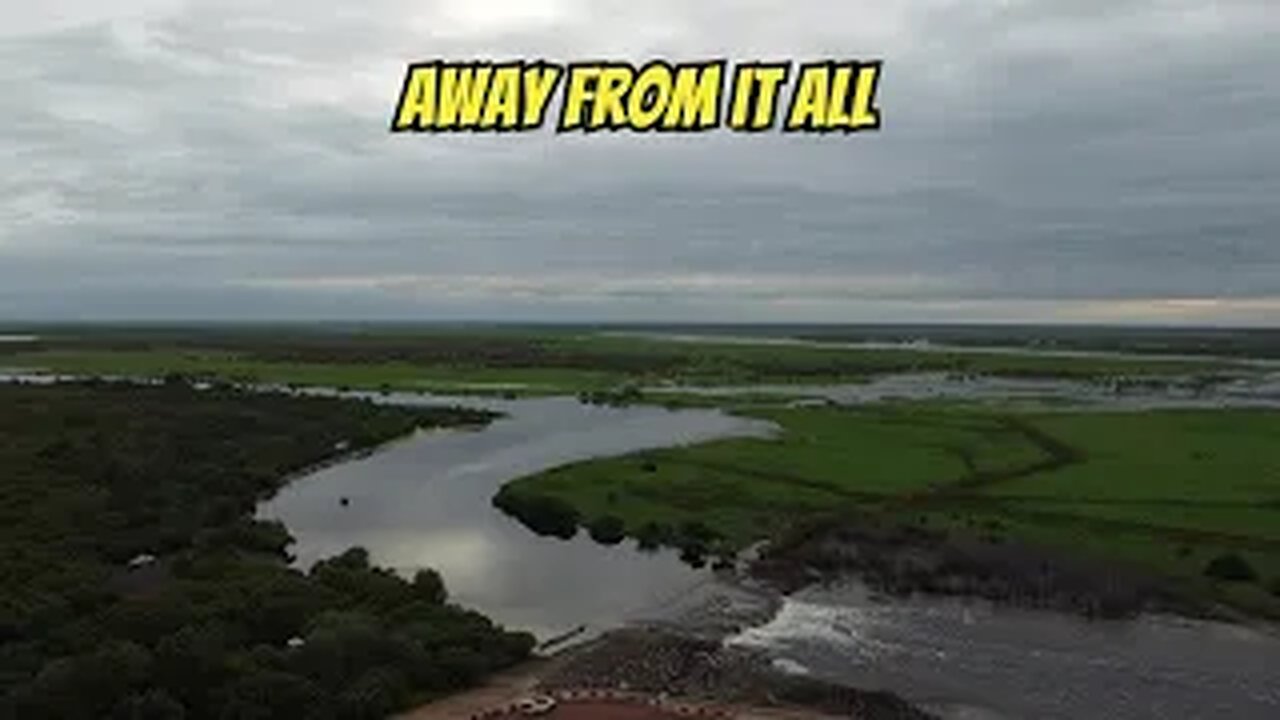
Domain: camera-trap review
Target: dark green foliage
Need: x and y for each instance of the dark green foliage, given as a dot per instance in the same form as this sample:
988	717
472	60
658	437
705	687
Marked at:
428	587
217	625
542	514
652	535
1232	568
607	530
1274	587
698	532
694	554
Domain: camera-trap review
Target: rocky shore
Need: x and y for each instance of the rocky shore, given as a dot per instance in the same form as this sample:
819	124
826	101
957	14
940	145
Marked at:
664	663
901	560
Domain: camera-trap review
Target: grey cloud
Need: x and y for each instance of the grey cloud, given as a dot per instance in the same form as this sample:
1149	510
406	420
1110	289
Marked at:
214	159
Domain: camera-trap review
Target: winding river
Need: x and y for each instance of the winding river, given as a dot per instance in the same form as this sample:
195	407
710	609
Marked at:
425	501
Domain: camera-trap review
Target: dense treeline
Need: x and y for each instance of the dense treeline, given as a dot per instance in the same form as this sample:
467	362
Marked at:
134	582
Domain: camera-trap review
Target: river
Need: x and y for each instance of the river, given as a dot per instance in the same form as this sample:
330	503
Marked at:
425	502
969	660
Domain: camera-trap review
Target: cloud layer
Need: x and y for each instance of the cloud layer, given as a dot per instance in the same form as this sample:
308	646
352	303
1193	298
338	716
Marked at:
1040	160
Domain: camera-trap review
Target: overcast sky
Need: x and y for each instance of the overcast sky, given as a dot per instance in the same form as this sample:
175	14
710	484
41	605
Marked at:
1055	160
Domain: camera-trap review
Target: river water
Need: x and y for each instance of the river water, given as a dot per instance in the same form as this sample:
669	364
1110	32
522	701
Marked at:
1256	390
425	502
968	660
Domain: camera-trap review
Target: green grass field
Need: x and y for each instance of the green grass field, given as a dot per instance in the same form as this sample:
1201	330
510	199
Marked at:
1167	491
527	362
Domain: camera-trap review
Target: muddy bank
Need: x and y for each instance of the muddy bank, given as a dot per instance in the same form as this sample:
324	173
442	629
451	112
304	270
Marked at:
900	560
657	662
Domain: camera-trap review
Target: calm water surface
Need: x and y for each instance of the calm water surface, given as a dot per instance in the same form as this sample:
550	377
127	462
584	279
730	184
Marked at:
425	502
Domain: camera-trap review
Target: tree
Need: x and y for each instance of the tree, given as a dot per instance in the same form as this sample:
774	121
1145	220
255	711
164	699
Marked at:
375	695
429	586
150	705
270	694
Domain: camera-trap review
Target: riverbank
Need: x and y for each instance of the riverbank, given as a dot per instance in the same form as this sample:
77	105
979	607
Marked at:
1093	511
676	671
901	560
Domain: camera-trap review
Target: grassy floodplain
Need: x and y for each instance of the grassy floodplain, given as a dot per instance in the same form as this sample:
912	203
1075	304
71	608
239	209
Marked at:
1165	491
522	361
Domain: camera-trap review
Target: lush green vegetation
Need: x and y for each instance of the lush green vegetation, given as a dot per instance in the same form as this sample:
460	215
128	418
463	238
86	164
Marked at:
1174	492
134	582
518	361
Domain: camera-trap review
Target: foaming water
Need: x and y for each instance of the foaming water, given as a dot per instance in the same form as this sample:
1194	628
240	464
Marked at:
969	659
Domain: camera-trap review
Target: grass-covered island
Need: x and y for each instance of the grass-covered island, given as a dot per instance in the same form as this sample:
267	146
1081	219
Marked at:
135	583
1100	511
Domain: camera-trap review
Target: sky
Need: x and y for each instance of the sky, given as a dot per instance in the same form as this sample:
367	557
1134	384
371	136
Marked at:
1074	161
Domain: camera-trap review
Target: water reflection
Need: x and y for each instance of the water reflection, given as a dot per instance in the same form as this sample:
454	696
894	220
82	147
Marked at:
425	502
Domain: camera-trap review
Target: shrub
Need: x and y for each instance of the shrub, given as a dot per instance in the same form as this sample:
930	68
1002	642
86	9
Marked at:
652	535
540	513
607	530
694	554
1231	568
699	531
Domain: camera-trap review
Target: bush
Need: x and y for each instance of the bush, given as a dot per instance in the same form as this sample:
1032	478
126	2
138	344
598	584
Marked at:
607	530
699	531
652	535
1231	568
694	554
540	513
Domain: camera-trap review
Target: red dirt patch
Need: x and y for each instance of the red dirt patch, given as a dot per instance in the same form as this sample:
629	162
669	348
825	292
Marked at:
600	710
